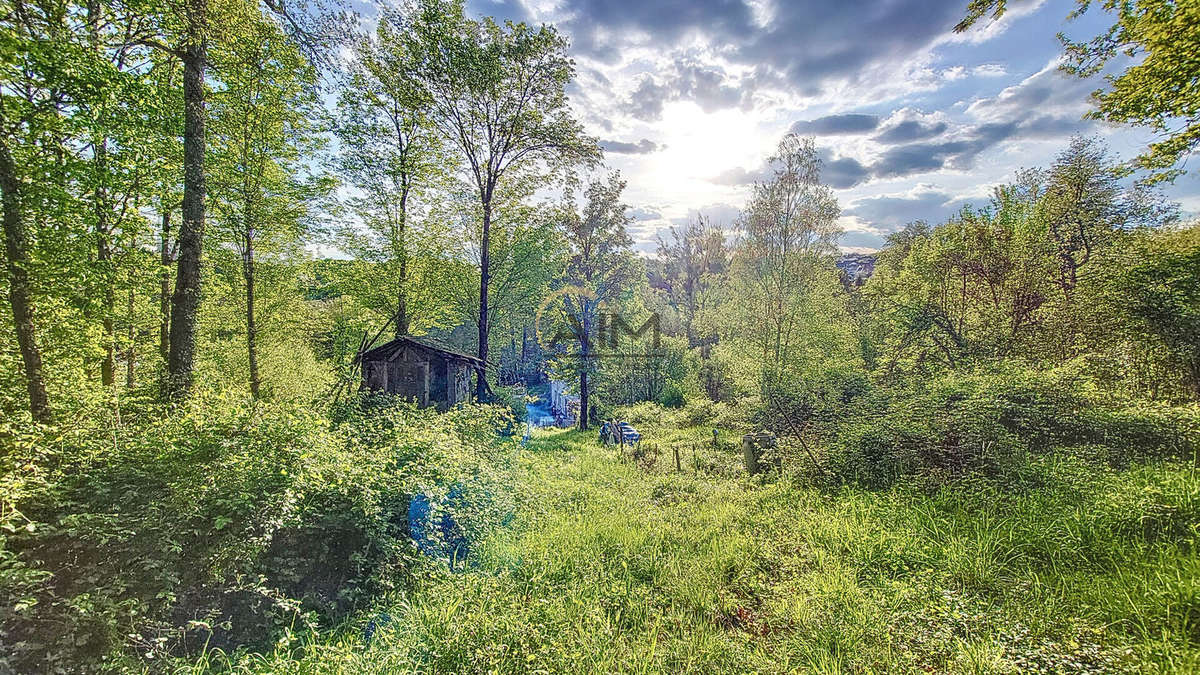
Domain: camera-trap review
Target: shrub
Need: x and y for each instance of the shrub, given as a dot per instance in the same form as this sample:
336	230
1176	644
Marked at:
645	413
672	396
226	524
705	413
990	422
512	399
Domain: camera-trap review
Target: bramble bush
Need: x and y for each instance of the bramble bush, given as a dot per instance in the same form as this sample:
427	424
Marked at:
990	423
228	523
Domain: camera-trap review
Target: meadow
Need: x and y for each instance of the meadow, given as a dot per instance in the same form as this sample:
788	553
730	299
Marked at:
615	565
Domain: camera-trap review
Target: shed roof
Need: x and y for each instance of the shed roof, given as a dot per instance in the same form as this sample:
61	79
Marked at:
386	349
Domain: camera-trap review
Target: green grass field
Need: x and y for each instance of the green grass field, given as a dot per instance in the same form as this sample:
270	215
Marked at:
616	566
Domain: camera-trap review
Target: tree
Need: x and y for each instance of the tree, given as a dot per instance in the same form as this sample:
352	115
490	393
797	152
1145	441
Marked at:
35	163
16	247
263	129
498	94
971	289
693	259
783	267
183	31
1024	277
600	268
390	151
185	299
1082	205
1161	90
1161	292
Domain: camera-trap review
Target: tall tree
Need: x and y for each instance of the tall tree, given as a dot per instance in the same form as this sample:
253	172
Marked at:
600	268
183	31
1083	204
391	153
20	296
784	263
185	298
263	130
498	93
1159	90
119	135
35	161
694	258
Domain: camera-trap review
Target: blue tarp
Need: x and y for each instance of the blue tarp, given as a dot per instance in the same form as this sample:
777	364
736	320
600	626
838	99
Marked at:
440	539
631	435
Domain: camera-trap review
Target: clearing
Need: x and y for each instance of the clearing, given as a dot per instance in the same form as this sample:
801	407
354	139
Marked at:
619	566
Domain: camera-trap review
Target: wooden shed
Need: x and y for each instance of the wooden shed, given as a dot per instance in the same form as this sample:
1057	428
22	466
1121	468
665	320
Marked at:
419	370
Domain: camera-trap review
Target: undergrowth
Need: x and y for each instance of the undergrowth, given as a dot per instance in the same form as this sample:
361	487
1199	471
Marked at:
618	566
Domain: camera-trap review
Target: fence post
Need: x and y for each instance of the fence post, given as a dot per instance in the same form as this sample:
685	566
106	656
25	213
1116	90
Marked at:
677	467
750	454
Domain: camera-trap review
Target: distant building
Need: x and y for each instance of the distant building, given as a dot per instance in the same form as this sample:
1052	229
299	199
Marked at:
419	370
856	268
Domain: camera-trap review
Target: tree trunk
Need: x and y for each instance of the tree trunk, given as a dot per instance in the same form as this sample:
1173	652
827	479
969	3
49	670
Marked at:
402	300
585	352
484	279
103	213
16	241
132	354
251	330
108	366
185	302
164	291
583	400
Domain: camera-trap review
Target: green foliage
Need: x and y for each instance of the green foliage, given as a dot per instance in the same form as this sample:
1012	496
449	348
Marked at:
692	262
1163	291
612	567
990	423
512	401
1004	416
1038	276
672	396
784	311
1158	90
225	524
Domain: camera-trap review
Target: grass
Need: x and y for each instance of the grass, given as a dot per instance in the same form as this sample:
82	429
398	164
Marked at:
620	566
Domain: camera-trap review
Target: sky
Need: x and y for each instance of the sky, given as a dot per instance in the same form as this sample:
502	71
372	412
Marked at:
689	98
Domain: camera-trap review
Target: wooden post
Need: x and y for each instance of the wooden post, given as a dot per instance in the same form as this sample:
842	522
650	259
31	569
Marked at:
677	467
750	454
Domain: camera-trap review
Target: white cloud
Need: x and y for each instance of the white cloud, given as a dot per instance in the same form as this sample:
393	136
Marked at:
989	70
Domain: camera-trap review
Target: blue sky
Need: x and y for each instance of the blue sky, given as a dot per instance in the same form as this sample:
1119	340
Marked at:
690	96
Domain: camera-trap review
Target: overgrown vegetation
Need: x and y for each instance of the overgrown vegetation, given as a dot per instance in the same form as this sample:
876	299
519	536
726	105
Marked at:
987	444
615	566
227	524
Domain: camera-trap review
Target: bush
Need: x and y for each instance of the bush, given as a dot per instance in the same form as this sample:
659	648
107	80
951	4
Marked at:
989	423
512	400
672	396
646	413
226	524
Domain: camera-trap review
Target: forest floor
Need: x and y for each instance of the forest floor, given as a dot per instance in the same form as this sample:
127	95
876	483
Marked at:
615	565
